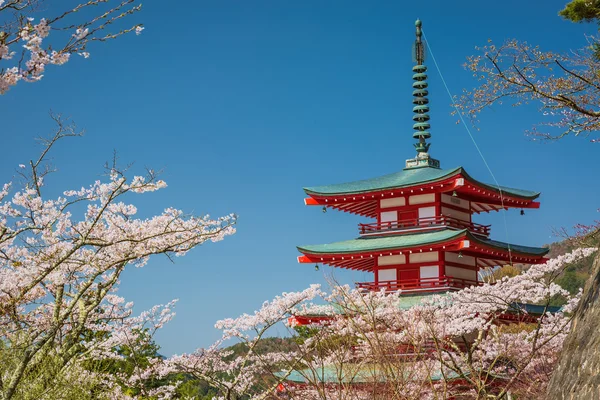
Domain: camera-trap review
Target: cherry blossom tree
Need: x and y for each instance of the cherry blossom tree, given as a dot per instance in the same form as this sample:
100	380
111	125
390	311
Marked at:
252	373
29	43
60	264
565	87
477	343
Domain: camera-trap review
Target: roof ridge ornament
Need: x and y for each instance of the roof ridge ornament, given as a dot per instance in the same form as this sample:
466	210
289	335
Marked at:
421	107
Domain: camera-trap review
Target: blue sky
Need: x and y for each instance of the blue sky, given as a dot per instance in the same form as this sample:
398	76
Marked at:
241	104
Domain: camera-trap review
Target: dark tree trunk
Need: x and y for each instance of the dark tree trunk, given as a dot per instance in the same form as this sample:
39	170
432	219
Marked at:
577	376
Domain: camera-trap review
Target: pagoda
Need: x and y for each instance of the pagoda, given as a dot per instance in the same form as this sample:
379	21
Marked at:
421	241
421	238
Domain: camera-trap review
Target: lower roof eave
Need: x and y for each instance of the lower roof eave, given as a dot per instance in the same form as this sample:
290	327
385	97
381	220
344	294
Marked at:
347	253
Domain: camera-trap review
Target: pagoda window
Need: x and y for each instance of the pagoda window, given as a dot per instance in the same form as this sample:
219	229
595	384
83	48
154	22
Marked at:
422	198
393	202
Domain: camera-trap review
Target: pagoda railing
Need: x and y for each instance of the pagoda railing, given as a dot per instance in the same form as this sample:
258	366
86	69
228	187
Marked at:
424	223
419	284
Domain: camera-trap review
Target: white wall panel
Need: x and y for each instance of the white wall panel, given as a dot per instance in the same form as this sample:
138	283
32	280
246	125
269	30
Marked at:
394	202
465	260
427	212
462	273
421	198
391	260
431	271
456	201
424	257
387	274
463	216
389	216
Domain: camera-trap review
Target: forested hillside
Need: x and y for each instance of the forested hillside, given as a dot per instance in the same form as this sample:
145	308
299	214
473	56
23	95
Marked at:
574	276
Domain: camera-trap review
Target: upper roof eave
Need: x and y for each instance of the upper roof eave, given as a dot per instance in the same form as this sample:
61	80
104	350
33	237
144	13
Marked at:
396	180
525	194
409	178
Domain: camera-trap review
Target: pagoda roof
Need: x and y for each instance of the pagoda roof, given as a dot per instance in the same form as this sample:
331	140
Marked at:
350	373
408	178
374	244
408	301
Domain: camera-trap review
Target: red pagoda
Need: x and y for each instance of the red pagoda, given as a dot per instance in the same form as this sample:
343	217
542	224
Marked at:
422	237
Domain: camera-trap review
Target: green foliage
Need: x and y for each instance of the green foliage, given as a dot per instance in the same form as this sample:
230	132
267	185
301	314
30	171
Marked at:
581	10
584	11
304	332
506	271
135	355
192	388
197	389
572	280
575	275
265	345
48	377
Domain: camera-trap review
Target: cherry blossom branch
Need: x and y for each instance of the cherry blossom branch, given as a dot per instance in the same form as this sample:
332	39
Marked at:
35	56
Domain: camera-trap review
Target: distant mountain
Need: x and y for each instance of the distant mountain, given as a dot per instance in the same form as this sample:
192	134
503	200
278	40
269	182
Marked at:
266	345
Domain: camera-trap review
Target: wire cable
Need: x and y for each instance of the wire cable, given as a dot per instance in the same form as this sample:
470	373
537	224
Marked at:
474	143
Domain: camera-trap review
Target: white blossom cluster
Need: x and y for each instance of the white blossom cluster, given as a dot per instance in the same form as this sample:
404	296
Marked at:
27	47
468	343
60	264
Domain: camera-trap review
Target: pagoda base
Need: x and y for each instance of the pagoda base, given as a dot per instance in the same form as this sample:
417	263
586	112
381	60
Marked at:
422	160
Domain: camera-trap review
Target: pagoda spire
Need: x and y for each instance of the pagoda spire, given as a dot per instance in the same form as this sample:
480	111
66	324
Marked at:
421	108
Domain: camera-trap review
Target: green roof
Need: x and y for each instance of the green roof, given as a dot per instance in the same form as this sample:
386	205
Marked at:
407	301
540	251
350	373
381	243
408	178
370	243
536	309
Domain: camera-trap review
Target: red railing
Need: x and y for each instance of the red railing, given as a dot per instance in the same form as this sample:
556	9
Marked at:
419	284
428	222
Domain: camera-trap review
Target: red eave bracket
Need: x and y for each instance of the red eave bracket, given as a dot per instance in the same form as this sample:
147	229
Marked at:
300	320
464	244
309	201
304	260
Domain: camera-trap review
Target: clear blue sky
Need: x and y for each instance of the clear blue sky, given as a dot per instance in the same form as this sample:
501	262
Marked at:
244	103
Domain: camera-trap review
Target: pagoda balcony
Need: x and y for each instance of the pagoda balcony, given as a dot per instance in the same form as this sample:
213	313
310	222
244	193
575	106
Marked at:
419	285
419	224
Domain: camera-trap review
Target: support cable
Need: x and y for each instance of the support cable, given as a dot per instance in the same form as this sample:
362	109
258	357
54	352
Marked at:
474	143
